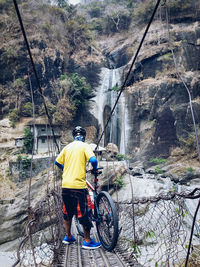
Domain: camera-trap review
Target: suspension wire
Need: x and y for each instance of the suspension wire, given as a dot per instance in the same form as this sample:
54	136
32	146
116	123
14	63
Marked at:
127	76
35	72
33	111
181	78
191	234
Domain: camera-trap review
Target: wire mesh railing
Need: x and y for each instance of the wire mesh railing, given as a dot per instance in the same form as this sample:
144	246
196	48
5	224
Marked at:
160	234
43	235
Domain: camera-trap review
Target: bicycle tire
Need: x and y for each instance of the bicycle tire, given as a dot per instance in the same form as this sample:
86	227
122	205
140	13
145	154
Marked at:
107	227
79	227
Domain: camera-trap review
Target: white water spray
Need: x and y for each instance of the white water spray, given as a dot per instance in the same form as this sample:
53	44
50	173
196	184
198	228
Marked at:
105	97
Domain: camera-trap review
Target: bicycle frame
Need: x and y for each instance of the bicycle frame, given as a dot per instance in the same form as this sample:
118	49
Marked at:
95	193
95	217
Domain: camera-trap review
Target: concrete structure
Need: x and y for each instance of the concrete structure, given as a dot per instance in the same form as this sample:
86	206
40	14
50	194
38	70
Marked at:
43	136
19	141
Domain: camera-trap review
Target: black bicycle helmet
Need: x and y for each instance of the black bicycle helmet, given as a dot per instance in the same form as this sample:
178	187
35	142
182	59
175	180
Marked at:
79	130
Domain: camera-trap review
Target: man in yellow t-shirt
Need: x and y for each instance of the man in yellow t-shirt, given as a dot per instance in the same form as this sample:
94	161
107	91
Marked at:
72	160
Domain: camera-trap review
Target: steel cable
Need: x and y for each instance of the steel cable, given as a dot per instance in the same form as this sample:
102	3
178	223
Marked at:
34	70
130	69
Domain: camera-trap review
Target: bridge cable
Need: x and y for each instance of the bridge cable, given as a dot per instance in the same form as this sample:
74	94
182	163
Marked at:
127	76
35	72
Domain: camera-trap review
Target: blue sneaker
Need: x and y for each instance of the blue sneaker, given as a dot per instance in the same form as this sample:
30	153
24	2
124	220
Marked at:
91	245
68	240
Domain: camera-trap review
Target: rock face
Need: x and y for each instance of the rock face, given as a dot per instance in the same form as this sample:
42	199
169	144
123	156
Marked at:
159	112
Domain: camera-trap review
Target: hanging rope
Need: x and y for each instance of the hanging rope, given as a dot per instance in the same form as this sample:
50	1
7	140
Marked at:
130	69
35	72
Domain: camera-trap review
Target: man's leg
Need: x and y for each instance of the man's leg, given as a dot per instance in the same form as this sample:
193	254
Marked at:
86	235
67	225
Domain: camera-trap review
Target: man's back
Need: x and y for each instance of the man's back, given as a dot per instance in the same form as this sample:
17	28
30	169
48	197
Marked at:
74	157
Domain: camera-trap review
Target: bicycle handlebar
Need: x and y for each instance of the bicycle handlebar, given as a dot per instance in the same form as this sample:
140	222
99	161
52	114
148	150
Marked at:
95	172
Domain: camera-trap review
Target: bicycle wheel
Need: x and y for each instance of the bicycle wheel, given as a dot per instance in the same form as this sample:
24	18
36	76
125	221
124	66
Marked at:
79	227
107	226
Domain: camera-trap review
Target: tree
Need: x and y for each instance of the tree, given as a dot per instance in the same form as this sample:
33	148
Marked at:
64	112
80	91
62	3
27	110
19	87
28	140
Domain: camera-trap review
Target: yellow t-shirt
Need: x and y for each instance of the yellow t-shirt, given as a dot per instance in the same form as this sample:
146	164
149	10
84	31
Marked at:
74	157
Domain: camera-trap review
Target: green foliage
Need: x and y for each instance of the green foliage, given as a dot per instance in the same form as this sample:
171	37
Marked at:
136	250
119	182
9	53
63	77
28	140
179	6
97	25
80	91
95	9
27	110
77	32
190	169
158	170
150	234
5	4
188	144
115	88
47	27
116	22
14	117
19	82
121	157
145	10
130	3
158	160
24	164
51	109
62	3
64	112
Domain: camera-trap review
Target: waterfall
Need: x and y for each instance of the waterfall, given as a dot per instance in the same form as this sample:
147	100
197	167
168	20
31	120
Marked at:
118	128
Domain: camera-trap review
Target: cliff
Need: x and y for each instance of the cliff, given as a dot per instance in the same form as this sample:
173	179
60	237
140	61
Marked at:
64	42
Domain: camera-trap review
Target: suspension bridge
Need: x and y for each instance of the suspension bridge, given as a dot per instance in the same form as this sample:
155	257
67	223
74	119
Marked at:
159	233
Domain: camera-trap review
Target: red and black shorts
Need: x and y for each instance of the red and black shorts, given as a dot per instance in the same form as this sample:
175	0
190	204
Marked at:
75	203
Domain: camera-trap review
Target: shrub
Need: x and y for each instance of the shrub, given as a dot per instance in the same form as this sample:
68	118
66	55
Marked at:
97	25
28	140
188	144
14	117
27	110
158	160
95	10
177	6
64	113
145	10
121	157
51	109
119	182
5	4
81	91
190	169
115	88
158	170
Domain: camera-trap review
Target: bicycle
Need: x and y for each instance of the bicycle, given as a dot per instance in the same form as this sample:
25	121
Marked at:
103	213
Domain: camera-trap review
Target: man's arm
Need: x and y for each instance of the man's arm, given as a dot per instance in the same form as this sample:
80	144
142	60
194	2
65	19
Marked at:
61	166
94	162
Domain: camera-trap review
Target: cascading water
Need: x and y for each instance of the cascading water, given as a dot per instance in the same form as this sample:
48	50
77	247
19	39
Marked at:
117	130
